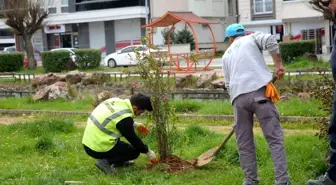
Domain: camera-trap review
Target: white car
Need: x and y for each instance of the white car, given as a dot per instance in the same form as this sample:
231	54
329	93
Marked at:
126	56
70	50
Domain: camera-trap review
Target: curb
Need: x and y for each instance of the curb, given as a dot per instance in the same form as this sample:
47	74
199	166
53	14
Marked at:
210	117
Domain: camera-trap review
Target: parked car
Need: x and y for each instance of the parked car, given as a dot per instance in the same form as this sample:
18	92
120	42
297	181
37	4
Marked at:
126	56
71	52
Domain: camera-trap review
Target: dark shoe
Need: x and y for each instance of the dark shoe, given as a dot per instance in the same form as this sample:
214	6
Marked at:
323	180
123	164
104	166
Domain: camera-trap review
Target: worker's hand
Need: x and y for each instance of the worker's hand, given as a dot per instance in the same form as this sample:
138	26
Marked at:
279	71
141	128
152	157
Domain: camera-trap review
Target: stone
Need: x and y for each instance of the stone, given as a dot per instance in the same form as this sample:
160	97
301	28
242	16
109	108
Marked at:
304	96
104	96
58	90
218	84
47	79
41	94
311	56
74	77
205	79
95	78
52	92
183	81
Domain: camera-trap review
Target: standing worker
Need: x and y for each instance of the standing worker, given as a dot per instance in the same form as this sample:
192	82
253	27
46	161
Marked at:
109	121
330	177
248	81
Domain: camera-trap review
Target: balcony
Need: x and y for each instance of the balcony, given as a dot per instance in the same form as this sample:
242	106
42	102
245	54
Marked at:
298	9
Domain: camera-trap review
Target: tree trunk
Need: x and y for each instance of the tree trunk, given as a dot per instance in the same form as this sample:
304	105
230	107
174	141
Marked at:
30	51
161	121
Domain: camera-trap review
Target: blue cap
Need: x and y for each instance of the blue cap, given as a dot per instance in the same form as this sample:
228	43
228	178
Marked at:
234	29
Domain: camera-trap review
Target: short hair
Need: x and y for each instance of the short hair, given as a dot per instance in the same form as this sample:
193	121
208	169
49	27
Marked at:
142	101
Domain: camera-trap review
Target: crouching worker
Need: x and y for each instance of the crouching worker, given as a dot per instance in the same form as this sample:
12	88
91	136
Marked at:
111	120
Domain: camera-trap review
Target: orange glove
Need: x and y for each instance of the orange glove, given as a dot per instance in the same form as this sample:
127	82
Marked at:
152	157
141	128
272	93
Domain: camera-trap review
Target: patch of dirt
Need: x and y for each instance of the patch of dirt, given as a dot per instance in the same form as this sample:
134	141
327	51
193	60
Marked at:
173	164
7	120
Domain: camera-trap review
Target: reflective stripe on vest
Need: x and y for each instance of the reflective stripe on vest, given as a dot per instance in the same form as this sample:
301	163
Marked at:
102	126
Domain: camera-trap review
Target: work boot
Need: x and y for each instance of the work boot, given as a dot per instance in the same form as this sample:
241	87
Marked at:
104	166
123	164
323	180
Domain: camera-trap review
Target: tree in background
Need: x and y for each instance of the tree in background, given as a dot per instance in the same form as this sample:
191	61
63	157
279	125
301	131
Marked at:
165	33
25	17
322	6
184	36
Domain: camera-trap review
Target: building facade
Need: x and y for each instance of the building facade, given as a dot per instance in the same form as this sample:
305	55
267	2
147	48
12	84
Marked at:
98	24
283	18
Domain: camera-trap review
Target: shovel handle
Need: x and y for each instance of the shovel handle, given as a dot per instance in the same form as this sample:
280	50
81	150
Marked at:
224	142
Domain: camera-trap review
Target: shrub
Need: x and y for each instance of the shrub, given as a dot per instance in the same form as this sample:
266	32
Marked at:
88	58
290	50
187	105
11	62
55	61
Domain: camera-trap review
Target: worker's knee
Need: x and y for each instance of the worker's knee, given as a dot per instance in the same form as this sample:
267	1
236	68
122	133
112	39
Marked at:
135	155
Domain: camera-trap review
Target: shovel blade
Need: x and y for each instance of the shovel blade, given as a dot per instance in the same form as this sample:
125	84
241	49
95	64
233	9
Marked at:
206	157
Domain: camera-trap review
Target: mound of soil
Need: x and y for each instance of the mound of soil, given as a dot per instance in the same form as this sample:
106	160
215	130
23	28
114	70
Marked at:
173	164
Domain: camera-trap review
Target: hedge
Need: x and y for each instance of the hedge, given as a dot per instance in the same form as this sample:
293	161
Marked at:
88	58
55	61
293	49
11	61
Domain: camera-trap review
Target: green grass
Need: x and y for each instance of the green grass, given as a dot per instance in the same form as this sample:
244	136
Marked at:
53	158
293	107
38	70
59	104
302	63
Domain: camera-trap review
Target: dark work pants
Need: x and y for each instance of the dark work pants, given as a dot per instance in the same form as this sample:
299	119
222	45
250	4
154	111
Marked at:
332	137
120	153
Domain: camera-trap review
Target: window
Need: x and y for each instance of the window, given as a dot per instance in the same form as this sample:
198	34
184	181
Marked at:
65	3
230	7
127	50
263	6
51	4
86	5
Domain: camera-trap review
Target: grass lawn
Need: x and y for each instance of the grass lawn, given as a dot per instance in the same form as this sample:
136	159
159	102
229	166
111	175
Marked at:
293	107
50	152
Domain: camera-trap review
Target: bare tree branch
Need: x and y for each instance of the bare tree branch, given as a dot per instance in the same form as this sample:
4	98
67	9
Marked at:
25	17
322	6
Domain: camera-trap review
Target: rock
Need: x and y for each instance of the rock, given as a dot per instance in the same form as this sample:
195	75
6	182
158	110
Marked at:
52	92
205	79
95	78
218	84
58	90
74	77
286	96
41	94
311	56
304	95
47	79
182	81
104	96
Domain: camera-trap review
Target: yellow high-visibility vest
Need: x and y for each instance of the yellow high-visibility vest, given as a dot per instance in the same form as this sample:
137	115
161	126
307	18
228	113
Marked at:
101	133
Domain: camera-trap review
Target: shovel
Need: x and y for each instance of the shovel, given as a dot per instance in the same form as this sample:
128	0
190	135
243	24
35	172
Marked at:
209	155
